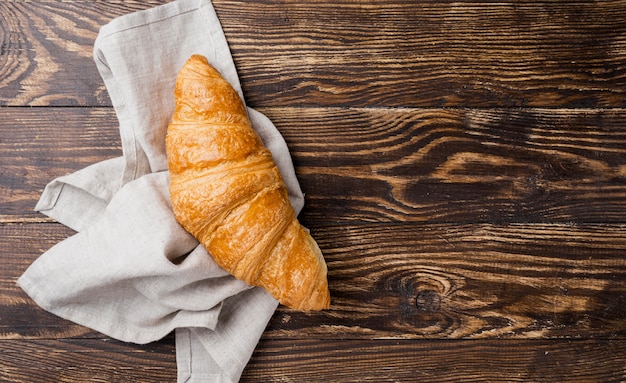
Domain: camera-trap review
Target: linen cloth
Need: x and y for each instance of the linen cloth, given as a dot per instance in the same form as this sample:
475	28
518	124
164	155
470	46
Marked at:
131	271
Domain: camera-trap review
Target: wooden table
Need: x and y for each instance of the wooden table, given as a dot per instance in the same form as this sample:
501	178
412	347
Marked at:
464	166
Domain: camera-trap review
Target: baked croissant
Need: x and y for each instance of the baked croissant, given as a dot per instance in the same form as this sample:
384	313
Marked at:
228	193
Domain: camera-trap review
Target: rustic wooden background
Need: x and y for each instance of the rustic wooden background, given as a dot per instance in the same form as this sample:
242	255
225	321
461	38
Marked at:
464	165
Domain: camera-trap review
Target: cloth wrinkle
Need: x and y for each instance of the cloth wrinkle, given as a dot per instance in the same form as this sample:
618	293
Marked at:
129	144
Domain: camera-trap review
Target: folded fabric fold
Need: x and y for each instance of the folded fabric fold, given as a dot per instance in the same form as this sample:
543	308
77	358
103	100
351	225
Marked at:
224	347
131	271
135	274
77	200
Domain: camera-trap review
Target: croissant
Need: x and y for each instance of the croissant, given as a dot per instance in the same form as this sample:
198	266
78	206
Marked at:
227	191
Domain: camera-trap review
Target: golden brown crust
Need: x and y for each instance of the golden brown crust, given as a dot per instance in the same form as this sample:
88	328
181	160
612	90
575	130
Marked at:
227	191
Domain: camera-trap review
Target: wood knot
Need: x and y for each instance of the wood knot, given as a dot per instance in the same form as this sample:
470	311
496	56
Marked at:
428	301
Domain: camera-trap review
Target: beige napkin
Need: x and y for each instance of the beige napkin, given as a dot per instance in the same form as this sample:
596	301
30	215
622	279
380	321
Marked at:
131	271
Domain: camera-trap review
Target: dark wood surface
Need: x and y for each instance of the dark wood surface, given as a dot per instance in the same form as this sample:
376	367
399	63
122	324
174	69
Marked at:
464	165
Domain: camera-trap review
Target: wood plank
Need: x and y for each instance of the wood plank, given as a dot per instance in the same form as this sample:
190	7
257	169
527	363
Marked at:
412	281
416	54
86	360
379	165
462	165
339	360
406	54
345	360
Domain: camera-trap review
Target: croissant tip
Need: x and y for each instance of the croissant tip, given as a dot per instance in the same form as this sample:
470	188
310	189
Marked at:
199	67
316	302
198	57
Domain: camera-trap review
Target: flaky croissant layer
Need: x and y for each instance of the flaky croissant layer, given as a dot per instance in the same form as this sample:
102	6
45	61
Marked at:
227	192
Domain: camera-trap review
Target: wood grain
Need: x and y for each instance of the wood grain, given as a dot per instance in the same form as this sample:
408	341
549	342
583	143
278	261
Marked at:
33	151
46	51
435	54
86	360
533	165
406	54
342	361
464	166
380	165
414	281
345	360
